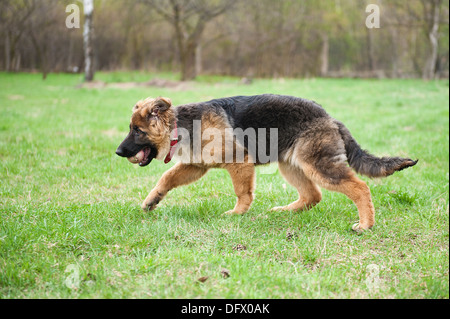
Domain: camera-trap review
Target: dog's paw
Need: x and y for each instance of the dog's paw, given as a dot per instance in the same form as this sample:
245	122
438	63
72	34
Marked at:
278	209
359	229
152	200
230	212
233	212
149	205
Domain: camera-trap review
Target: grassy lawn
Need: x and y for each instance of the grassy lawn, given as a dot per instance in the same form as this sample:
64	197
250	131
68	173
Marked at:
71	224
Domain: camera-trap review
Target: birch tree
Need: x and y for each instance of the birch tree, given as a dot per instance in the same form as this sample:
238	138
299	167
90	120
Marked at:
87	40
432	13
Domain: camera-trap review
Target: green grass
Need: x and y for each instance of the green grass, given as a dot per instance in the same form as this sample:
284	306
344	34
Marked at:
70	208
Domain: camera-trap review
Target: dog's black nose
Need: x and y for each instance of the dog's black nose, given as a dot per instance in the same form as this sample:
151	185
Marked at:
120	152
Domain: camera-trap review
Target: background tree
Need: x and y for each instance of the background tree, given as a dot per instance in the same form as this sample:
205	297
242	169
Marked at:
189	19
14	15
88	40
432	12
39	30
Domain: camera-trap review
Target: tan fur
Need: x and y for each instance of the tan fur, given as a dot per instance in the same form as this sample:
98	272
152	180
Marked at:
243	178
215	145
180	174
159	127
353	188
303	171
309	194
242	174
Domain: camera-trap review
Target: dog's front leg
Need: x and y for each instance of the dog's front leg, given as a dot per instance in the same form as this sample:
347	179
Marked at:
180	174
243	178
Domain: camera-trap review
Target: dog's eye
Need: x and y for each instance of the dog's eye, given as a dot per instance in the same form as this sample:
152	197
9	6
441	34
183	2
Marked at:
137	131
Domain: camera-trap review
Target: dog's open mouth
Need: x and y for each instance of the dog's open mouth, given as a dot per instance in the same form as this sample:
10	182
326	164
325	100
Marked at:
142	157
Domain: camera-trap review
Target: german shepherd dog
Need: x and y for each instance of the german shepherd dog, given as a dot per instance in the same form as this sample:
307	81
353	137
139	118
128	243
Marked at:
312	148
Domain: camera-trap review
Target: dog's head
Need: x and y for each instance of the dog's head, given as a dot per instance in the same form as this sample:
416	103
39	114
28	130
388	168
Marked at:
149	135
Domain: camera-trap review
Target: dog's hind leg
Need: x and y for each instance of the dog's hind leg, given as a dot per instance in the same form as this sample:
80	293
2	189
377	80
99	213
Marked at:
320	152
243	178
180	174
309	193
346	182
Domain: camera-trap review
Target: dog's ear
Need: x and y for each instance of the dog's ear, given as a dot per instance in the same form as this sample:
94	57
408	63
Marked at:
159	106
162	104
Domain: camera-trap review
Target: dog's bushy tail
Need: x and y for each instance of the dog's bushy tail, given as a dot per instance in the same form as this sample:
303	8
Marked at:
365	163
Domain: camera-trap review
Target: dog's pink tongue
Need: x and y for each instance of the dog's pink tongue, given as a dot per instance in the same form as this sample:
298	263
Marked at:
137	158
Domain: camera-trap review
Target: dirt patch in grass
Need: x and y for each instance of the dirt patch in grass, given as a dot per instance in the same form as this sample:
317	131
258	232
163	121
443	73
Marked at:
160	83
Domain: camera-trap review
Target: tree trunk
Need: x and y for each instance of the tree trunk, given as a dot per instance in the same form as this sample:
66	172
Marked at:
430	65
87	40
179	35
69	66
188	52
394	40
188	61
370	50
7	52
40	49
324	55
17	62
198	59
